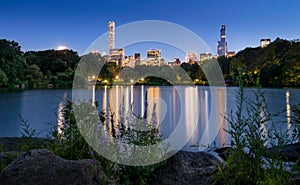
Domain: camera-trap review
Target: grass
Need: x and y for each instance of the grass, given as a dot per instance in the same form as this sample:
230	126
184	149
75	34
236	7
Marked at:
253	131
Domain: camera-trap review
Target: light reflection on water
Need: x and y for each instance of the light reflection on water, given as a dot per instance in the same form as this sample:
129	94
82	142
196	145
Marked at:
60	116
41	106
165	103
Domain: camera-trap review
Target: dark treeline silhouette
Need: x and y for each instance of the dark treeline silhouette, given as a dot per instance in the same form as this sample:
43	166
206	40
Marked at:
277	65
35	68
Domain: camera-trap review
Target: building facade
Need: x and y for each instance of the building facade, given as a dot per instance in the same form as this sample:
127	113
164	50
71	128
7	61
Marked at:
222	44
264	42
111	37
205	56
128	61
154	57
191	57
117	55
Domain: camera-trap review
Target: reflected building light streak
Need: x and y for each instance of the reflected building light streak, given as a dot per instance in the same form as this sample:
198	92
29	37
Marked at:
142	101
93	94
126	104
191	110
116	105
153	95
288	112
264	125
222	110
216	120
206	115
105	102
204	109
131	97
175	108
60	116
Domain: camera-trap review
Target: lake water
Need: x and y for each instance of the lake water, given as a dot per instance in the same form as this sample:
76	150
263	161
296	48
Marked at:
187	106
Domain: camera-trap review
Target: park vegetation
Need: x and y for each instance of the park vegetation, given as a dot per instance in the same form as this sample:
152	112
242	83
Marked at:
277	65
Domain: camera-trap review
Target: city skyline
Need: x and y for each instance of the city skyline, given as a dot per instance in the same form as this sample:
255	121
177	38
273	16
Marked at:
48	24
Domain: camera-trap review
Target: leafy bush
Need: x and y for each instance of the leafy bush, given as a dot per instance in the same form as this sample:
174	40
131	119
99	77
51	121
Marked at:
67	140
252	131
296	121
69	143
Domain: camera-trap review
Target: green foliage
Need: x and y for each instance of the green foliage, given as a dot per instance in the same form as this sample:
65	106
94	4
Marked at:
252	131
26	130
12	62
68	142
3	78
151	75
295	121
34	67
67	139
29	137
193	70
9	157
277	64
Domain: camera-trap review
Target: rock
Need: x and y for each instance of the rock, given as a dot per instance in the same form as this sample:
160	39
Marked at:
40	166
224	152
296	179
288	153
187	168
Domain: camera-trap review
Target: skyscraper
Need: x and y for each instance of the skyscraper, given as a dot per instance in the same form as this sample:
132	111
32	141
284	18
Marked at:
111	37
222	44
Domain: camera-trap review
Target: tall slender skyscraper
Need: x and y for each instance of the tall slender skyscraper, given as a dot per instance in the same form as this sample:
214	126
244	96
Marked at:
111	37
222	44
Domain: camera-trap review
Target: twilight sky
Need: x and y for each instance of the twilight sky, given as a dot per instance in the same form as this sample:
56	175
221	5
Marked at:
39	25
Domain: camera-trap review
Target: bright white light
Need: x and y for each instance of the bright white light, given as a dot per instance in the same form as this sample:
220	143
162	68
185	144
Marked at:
61	48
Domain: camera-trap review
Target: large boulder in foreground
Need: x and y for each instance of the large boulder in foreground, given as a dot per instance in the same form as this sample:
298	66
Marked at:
42	167
188	168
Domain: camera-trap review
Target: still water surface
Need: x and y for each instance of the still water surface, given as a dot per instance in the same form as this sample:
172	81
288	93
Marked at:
199	105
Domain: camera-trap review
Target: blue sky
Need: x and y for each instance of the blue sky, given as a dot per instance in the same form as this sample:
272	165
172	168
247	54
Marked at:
39	25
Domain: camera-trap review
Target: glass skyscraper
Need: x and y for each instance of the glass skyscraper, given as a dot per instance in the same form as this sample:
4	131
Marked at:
222	44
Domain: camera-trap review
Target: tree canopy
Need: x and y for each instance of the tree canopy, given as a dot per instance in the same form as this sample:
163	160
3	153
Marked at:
277	65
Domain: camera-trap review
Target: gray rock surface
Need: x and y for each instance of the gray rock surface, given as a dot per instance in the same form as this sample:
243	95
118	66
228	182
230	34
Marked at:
290	152
40	166
187	168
